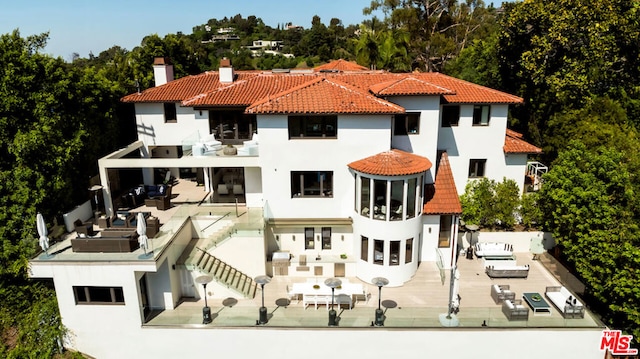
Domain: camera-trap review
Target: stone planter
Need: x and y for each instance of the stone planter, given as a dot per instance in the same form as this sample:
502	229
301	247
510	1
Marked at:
230	151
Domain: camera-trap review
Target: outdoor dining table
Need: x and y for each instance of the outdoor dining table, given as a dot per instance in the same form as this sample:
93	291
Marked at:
319	293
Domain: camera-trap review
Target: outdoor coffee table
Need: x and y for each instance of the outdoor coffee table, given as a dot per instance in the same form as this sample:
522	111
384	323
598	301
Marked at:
537	303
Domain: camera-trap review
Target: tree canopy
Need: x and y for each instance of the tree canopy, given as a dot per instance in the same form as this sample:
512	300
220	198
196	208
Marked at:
56	120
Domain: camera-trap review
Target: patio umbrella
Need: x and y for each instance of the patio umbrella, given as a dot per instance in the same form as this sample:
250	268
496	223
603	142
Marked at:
141	228
455	292
42	232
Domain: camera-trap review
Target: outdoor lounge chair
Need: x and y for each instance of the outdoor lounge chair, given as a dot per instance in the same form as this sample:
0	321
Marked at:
515	310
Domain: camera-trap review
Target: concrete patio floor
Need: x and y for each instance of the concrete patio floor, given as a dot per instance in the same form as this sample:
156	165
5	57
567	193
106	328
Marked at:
417	304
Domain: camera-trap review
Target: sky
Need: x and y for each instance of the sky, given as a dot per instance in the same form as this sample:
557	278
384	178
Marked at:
85	26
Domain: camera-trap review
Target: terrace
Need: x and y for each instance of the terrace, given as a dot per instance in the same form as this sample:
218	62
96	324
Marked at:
417	304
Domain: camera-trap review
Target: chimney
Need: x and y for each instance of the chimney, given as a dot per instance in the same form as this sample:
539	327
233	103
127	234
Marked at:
162	70
225	71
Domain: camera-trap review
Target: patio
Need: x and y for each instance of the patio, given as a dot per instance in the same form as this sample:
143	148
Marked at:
417	304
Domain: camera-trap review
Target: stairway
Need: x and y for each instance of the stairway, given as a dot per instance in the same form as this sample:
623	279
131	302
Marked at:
224	274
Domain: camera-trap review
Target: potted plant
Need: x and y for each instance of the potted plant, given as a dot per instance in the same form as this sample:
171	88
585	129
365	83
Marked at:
229	150
343	256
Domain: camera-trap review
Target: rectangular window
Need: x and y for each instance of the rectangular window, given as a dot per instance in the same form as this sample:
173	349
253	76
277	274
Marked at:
450	115
408	123
380	197
365	193
394	253
232	126
98	295
308	238
444	237
408	251
481	114
326	237
364	248
170	112
311	184
397	195
476	168
313	126
378	251
411	198
420	184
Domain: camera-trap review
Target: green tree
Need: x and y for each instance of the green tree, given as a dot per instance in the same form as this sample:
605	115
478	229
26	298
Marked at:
491	204
559	55
590	204
439	30
477	202
56	120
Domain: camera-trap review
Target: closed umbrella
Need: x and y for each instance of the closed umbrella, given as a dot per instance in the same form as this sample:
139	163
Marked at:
141	228
42	232
455	295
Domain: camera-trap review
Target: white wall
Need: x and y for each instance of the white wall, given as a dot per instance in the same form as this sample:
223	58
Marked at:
266	342
465	142
358	137
520	241
253	186
97	321
425	143
153	131
430	229
387	231
235	252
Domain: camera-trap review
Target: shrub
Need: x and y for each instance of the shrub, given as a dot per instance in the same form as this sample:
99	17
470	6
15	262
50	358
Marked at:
490	204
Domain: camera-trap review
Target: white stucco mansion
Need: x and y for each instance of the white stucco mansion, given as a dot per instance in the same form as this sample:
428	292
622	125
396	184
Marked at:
354	173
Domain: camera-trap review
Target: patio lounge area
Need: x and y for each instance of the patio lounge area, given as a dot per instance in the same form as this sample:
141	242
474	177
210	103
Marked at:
418	304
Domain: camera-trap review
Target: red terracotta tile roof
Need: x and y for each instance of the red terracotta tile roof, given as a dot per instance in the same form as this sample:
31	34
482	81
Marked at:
392	163
248	91
513	143
408	86
442	196
323	96
183	88
467	92
340	65
251	87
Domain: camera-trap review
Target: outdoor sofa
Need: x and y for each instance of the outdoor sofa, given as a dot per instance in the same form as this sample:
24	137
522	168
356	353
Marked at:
565	302
112	240
493	249
509	271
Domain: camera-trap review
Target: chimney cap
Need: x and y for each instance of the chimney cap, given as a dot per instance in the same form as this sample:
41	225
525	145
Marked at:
159	60
225	62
